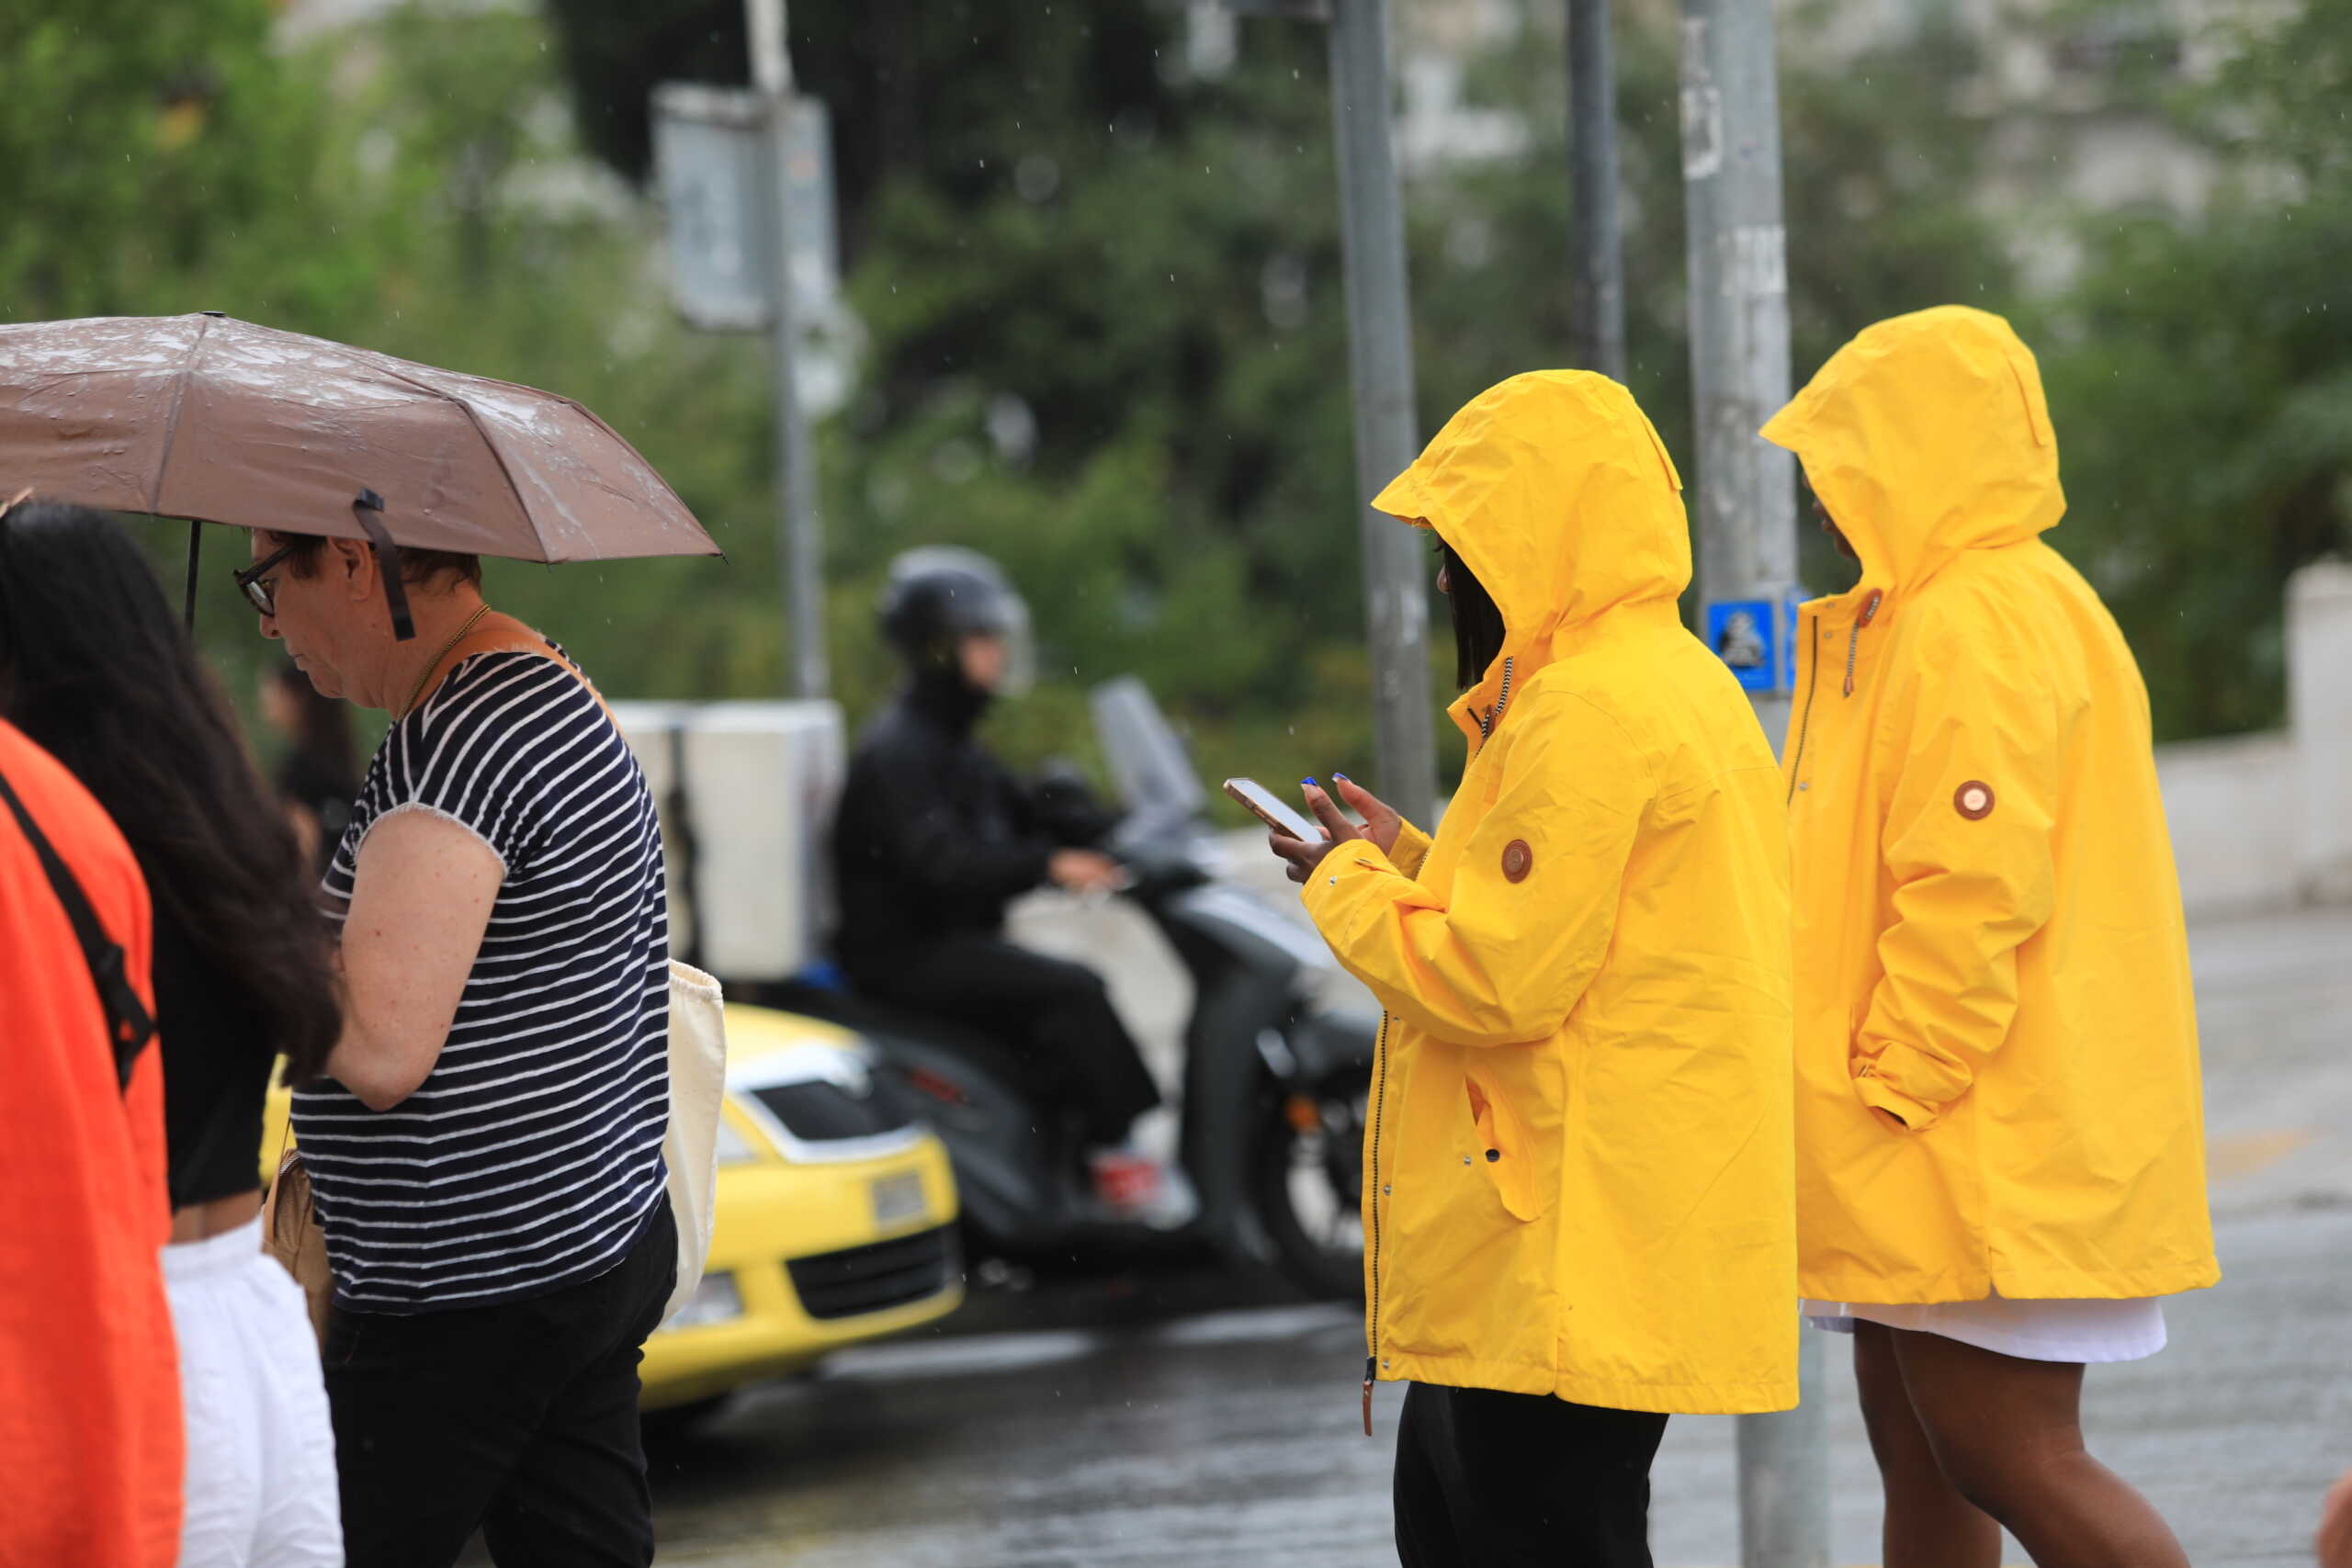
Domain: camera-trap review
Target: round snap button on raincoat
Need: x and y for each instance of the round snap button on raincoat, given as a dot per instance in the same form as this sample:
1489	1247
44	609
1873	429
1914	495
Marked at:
1579	1172
1995	1038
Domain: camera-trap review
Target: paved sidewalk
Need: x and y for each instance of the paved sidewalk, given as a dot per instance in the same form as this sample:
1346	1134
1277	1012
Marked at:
2238	1426
1230	1438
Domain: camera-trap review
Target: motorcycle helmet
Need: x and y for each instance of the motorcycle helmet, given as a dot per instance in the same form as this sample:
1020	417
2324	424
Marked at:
940	594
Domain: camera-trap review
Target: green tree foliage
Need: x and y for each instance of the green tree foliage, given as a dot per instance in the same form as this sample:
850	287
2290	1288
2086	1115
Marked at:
2201	378
413	187
158	155
1104	316
1161	298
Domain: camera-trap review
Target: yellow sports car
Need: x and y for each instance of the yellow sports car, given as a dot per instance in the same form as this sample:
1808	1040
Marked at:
835	1216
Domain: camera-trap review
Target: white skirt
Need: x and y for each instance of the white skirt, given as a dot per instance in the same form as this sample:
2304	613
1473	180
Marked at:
261	1490
2052	1330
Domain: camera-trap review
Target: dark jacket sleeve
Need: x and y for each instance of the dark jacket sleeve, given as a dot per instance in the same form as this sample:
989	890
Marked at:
903	811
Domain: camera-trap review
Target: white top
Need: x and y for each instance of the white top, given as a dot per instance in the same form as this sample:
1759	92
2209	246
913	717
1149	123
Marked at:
2059	1330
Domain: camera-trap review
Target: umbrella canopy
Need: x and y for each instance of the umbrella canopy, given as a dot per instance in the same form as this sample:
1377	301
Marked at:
217	420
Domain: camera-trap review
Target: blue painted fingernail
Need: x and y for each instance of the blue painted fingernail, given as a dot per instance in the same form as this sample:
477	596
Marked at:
1342	778
1307	783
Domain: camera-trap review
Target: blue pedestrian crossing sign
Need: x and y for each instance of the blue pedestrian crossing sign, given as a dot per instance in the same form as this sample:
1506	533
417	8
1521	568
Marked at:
1757	637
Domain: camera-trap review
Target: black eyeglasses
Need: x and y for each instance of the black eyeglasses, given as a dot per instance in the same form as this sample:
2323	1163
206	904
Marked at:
261	595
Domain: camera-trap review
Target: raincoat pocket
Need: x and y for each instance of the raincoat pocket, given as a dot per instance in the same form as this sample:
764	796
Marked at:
1502	1149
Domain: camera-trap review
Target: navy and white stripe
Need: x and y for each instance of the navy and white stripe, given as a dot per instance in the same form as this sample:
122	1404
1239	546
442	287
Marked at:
531	1156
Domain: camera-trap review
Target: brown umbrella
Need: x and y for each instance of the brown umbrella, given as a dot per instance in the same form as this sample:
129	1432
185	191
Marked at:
219	421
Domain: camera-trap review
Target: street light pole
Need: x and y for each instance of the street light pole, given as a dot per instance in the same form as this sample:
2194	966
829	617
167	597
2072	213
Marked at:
801	529
1739	317
1599	290
1388	439
1739	371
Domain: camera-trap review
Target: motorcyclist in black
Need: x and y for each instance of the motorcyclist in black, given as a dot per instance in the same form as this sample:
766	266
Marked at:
935	836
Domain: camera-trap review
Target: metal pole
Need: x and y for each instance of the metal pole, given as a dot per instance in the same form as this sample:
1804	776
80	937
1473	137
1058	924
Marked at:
1739	371
1600	292
801	529
1739	309
1380	366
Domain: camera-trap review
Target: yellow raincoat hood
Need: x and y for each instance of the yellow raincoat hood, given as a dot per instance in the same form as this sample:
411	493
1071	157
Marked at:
1928	435
1995	1037
1554	490
1579	1162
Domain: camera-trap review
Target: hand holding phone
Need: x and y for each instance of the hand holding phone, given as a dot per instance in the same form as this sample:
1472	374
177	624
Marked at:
1270	809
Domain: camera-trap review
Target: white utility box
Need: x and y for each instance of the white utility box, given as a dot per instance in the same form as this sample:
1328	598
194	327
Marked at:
746	793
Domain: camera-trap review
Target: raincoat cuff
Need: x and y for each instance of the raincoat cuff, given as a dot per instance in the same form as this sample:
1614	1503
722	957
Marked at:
1333	883
1412	847
1916	1115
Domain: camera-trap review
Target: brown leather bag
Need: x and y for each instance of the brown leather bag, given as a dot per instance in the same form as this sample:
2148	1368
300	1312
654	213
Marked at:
290	1233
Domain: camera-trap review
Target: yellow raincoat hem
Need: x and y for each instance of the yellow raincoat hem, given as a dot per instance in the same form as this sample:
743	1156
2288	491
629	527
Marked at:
2017	1284
1754	1398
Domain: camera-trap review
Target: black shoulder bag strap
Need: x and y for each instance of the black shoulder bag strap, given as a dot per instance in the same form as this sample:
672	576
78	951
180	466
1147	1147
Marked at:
129	1024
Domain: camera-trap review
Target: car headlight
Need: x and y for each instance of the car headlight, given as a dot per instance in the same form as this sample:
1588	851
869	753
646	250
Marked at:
732	1148
716	1300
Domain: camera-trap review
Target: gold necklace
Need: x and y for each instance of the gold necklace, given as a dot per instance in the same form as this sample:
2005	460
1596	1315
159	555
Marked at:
434	662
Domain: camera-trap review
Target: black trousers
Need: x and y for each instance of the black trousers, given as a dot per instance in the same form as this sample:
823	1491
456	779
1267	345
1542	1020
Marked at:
518	1420
1487	1480
1054	1018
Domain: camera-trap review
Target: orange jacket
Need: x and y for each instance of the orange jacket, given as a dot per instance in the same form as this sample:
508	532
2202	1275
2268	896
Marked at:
90	1435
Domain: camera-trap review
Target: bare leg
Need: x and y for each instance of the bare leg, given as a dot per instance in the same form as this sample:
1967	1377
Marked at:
2008	1432
1928	1524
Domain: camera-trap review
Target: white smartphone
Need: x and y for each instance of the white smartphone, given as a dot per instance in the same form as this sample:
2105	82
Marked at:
1270	808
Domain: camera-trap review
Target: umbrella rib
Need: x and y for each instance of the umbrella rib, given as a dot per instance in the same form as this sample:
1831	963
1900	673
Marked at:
172	425
505	472
481	430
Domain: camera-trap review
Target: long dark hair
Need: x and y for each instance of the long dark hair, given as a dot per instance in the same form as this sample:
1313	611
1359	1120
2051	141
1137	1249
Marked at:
96	669
1478	624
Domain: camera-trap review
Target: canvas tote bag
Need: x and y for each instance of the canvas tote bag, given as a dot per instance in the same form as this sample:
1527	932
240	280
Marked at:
690	1147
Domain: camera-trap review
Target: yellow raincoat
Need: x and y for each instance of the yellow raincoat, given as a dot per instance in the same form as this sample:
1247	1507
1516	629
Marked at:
1578	1158
1996	1046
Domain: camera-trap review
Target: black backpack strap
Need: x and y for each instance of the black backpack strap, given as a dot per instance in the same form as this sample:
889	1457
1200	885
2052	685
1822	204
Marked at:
129	1024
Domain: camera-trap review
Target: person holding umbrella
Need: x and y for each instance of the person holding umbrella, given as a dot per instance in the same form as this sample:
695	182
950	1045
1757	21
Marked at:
486	1146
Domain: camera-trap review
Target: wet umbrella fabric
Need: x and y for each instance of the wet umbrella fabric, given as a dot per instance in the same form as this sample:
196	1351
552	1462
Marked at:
219	421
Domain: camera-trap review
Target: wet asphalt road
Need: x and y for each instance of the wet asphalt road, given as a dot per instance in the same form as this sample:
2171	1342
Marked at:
1209	1429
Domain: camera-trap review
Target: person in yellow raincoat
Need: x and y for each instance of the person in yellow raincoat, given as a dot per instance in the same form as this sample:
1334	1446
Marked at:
2000	1149
1579	1207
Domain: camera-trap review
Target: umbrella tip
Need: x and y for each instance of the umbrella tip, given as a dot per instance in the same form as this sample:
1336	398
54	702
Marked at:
216	315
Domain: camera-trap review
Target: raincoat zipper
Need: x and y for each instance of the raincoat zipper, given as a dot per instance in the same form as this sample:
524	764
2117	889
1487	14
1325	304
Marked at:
1486	721
1804	721
1379	1104
1854	634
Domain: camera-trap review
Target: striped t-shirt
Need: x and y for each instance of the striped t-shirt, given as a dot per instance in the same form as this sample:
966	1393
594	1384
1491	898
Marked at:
530	1157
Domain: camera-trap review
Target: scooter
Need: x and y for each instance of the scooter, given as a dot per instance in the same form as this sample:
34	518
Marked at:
1275	1083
